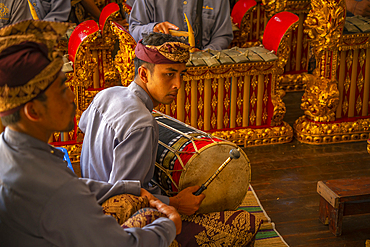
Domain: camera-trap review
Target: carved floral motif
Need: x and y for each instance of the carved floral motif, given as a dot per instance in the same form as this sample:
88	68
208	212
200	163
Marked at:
324	24
320	99
274	6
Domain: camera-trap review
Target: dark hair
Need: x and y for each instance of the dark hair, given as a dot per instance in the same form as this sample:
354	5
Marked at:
11	119
154	39
16	116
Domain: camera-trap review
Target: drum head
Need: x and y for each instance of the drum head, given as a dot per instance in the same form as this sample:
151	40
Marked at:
229	188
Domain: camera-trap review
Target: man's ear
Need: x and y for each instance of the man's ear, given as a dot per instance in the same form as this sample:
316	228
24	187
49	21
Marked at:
31	112
143	73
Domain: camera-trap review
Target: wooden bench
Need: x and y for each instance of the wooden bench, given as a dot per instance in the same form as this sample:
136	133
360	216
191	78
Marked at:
341	197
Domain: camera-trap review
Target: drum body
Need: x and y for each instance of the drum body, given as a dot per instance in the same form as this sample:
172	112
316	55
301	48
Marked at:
187	157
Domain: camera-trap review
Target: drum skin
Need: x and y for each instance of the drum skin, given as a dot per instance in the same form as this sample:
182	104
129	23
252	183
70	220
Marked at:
187	156
228	189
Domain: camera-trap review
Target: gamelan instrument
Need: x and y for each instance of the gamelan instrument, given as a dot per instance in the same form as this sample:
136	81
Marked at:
357	24
187	156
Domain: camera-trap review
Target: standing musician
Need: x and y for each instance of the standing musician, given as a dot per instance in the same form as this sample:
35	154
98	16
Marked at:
210	20
12	11
42	202
121	141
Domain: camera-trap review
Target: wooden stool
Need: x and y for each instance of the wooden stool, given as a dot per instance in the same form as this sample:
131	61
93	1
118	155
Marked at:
341	197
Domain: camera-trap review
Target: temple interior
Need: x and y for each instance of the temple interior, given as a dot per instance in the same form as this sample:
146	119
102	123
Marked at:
297	105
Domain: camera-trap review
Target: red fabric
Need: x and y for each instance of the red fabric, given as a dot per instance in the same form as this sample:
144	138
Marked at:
185	157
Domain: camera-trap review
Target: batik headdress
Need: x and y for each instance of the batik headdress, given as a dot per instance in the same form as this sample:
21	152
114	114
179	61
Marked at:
167	53
28	61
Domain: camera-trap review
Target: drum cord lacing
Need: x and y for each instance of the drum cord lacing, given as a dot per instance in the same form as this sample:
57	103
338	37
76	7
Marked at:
177	152
168	173
191	138
169	193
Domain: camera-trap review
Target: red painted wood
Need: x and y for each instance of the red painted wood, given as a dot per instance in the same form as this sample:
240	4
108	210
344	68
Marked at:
240	9
275	29
81	32
105	13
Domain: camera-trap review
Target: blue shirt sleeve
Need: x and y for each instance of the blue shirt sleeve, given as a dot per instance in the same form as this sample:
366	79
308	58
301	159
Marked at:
141	19
80	222
133	160
103	190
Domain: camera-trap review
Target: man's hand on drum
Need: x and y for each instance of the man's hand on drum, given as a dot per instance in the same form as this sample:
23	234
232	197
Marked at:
145	193
185	202
169	211
164	27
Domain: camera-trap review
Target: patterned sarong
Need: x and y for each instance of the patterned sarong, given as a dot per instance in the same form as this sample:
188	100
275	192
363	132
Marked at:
228	228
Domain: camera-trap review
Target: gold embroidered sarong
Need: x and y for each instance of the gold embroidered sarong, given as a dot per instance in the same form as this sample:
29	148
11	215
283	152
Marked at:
228	228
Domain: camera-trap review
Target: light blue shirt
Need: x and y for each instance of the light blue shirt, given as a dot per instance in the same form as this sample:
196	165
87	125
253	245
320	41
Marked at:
43	203
217	28
121	137
52	10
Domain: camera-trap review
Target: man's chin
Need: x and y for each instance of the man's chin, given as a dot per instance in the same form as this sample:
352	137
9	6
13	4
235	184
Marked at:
170	100
70	127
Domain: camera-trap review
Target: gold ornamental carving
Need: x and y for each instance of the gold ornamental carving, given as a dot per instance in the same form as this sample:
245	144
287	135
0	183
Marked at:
297	7
320	99
284	49
292	82
310	132
85	63
279	108
173	107
246	25
355	41
322	123
274	6
324	24
231	70
124	60
248	137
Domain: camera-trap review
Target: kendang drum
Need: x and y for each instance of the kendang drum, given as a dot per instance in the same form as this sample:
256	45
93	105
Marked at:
187	156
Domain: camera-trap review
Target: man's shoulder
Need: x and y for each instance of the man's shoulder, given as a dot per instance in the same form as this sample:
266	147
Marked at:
121	108
117	99
112	96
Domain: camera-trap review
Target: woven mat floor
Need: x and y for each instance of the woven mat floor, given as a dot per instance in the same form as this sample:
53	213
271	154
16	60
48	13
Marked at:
267	234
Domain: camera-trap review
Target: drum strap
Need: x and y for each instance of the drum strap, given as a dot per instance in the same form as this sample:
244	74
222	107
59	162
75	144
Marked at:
198	25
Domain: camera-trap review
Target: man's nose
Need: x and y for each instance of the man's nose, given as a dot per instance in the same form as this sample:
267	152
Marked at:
178	81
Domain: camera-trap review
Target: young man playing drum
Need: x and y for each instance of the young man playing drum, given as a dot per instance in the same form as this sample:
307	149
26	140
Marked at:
121	135
121	140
